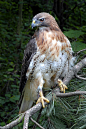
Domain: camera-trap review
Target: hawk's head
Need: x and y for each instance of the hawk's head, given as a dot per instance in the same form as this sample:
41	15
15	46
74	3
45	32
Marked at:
43	20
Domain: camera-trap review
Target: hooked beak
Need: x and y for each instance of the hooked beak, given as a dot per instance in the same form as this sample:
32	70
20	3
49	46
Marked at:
33	24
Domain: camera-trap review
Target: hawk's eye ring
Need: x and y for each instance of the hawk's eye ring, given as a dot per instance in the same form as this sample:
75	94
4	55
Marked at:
42	19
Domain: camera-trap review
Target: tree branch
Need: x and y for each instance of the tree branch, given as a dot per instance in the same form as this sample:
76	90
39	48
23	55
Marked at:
69	94
76	69
37	107
36	123
80	51
13	123
79	76
26	120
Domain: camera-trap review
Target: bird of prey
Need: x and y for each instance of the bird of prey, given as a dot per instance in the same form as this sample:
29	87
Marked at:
48	57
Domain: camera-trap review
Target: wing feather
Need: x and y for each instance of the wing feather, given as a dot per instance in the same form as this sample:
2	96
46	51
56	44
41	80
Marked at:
30	51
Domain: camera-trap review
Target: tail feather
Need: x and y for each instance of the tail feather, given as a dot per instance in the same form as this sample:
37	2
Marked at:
29	95
26	100
25	105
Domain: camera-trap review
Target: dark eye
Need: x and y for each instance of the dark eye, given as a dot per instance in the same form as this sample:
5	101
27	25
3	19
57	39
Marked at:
42	19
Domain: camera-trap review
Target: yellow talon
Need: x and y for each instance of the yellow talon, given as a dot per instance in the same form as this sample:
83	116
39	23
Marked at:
42	99
62	86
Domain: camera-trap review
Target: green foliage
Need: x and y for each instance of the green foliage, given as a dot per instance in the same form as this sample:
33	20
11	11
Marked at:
77	38
77	46
73	33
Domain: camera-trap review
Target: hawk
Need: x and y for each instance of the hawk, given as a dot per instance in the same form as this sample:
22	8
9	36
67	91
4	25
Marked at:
47	58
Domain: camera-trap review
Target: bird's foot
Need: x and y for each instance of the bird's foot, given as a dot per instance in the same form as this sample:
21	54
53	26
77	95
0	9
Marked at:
42	99
62	86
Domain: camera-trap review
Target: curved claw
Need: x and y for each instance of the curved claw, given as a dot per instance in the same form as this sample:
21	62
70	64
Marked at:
42	99
62	86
